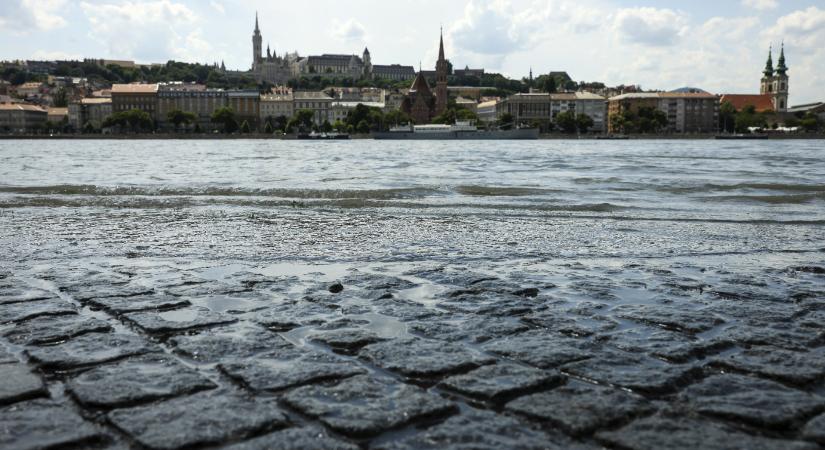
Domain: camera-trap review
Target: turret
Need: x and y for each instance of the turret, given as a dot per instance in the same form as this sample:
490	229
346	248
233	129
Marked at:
769	65
782	69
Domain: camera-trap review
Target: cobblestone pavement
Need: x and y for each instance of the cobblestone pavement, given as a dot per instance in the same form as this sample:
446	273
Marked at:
118	353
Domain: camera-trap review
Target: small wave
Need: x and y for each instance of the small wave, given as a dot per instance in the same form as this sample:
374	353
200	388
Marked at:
769	199
219	191
494	191
710	187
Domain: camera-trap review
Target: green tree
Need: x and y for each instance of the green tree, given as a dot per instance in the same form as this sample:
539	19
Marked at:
566	121
326	127
506	121
135	120
245	129
225	118
339	126
810	122
303	120
550	85
618	123
89	128
727	117
177	118
584	123
363	127
268	129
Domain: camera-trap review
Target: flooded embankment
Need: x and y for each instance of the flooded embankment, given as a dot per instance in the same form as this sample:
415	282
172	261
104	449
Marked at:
406	295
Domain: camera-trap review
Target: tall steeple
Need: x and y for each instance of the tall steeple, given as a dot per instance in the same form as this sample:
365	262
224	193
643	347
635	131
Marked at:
257	45
769	65
441	46
781	68
441	69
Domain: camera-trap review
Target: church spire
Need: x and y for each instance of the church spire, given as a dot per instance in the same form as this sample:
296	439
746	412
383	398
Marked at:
769	65
781	68
441	46
257	29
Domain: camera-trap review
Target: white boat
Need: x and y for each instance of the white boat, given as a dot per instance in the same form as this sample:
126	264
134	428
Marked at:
461	130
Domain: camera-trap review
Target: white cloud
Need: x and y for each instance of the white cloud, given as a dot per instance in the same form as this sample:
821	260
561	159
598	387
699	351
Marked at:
24	16
650	26
148	31
762	5
349	31
55	56
217	6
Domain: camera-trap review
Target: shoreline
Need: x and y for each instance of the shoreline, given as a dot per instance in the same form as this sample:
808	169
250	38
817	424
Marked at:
204	137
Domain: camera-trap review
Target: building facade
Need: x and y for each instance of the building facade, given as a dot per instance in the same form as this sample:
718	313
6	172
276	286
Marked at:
21	118
142	97
277	105
393	72
543	108
89	110
195	99
686	112
247	106
318	102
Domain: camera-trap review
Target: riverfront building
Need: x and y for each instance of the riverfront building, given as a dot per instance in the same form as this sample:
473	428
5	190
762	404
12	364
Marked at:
191	98
687	112
143	97
421	104
21	118
543	108
89	111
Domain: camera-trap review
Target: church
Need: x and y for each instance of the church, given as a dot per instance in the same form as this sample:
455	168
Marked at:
276	69
773	95
272	68
421	104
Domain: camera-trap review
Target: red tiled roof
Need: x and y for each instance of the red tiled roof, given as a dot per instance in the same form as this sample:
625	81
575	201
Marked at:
740	101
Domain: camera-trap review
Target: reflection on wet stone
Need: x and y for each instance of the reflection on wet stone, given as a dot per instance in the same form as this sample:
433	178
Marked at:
42	424
88	349
422	357
121	305
500	382
227	343
683	433
17	312
581	409
177	321
542	349
363	407
19	383
760	402
799	368
49	329
136	380
295	439
197	420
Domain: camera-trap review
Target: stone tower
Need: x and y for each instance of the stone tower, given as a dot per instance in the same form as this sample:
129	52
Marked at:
441	92
257	45
367	64
781	85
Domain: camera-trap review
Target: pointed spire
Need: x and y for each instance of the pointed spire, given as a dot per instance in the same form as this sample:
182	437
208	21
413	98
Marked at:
769	65
441	46
257	29
781	68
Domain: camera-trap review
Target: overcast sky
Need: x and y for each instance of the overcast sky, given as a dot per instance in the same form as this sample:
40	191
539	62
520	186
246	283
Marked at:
717	45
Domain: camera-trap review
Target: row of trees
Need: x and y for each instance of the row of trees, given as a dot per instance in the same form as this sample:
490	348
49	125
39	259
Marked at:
733	121
645	120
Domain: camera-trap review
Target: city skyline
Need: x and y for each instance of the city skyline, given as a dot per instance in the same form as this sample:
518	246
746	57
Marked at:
655	44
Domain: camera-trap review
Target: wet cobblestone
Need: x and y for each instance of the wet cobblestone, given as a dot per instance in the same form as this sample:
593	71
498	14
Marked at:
411	356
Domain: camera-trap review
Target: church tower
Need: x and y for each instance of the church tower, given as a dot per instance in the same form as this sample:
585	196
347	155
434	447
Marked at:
781	88
367	64
441	92
767	78
257	45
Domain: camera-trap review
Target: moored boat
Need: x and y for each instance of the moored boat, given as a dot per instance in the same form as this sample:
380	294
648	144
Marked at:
459	131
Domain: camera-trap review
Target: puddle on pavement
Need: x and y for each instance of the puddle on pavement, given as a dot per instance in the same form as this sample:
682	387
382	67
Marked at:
180	315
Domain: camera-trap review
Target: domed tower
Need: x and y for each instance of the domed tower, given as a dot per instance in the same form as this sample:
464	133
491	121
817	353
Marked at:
781	88
257	45
441	92
367	64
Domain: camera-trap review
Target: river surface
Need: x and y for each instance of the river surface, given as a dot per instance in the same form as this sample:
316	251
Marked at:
649	266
